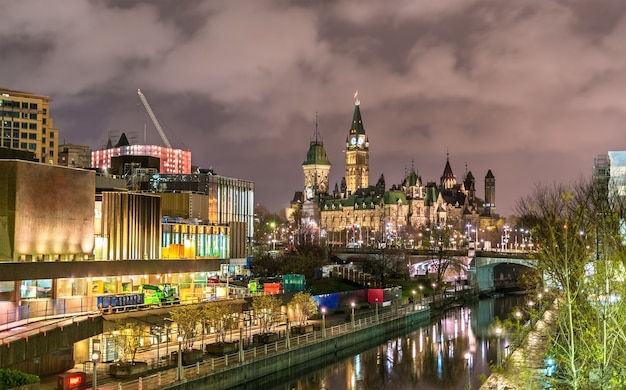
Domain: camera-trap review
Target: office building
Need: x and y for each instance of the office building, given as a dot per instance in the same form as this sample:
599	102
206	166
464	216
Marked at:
27	124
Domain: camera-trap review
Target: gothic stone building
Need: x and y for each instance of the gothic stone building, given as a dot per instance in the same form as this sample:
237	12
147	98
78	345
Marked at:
373	212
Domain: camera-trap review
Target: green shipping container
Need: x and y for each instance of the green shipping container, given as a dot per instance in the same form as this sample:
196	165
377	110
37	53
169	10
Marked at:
293	283
253	285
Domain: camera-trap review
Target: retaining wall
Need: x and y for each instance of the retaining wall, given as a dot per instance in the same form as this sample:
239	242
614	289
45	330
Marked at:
300	359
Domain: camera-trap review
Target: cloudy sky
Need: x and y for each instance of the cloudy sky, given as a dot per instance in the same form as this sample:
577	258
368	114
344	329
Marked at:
531	89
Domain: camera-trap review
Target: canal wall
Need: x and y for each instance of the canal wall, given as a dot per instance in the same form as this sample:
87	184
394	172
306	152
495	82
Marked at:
300	359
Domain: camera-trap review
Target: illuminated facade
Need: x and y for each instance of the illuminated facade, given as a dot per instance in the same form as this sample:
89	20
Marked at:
171	160
361	213
48	212
226	202
27	124
131	225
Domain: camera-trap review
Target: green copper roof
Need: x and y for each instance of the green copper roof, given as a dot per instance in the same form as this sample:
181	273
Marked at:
357	122
316	155
392	197
412	179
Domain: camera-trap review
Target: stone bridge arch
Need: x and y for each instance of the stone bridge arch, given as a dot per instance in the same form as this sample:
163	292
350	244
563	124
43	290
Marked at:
483	267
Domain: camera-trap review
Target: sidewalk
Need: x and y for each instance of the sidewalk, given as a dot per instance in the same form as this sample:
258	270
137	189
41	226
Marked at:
525	367
163	351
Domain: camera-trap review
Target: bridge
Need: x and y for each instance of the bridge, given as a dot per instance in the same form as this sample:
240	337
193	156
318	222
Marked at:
486	270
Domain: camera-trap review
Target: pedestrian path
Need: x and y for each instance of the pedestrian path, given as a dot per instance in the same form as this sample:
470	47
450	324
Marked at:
524	369
163	370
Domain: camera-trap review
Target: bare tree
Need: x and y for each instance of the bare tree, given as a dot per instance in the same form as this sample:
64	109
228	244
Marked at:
579	250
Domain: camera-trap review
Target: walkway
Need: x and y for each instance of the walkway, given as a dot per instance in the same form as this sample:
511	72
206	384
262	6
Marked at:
524	369
336	324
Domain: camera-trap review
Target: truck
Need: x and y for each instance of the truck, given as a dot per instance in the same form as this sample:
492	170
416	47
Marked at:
160	294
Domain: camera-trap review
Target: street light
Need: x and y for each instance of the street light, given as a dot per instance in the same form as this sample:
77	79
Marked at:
180	358
323	322
421	295
352	315
376	310
498	334
413	292
95	356
518	316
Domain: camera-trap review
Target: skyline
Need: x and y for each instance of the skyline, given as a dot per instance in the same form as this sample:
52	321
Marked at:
530	91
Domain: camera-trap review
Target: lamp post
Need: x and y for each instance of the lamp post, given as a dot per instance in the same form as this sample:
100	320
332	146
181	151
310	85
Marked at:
498	334
376	310
352	314
323	322
421	295
413	292
180	358
95	356
518	316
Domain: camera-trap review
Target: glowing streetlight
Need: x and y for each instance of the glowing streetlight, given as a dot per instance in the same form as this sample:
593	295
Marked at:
95	356
413	292
352	314
421	295
180	358
377	310
498	334
323	322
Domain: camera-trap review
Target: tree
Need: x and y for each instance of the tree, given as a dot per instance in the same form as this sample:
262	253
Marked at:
266	309
304	307
220	318
580	248
127	339
186	317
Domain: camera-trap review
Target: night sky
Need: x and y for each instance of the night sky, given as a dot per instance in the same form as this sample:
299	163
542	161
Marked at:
531	89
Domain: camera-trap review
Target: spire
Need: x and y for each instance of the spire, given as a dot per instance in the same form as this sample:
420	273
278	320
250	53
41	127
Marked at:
317	153
357	121
317	133
448	180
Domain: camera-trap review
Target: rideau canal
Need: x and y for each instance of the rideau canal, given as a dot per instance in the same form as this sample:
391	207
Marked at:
456	348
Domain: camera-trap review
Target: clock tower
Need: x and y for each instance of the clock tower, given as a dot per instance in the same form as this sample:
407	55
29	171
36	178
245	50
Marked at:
316	168
357	153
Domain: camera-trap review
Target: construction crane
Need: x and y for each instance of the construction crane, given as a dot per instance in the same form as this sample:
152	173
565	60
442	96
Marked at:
154	119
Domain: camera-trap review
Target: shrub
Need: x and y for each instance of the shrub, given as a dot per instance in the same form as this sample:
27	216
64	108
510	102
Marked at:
13	378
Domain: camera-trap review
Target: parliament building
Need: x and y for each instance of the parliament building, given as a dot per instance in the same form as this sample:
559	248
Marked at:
357	213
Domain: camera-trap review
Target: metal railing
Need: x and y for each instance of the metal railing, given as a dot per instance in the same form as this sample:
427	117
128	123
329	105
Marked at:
217	364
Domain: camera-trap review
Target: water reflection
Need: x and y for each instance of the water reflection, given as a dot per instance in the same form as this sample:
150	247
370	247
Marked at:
455	349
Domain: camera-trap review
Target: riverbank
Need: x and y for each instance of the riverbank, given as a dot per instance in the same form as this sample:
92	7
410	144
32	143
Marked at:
524	368
286	355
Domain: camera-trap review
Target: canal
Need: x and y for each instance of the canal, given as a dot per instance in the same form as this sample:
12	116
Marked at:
455	349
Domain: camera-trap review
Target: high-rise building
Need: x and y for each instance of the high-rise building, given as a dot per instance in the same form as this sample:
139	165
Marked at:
27	124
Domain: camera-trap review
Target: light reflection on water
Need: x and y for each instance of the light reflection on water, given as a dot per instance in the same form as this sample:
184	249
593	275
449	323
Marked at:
442	355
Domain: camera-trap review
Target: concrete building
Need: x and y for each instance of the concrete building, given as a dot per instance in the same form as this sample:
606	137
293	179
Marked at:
76	156
27	124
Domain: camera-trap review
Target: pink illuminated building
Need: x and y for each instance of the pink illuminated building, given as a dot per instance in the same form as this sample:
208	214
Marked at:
170	160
